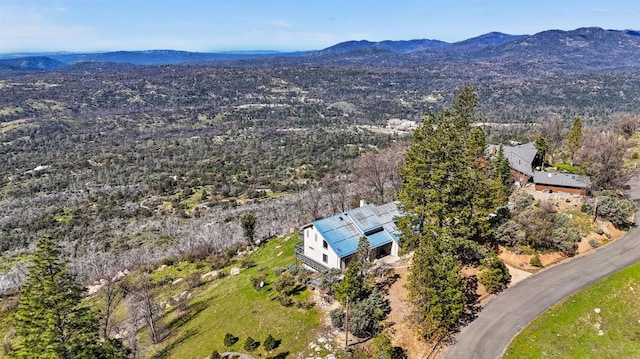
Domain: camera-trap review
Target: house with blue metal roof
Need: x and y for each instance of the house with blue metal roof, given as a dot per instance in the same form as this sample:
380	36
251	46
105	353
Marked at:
331	242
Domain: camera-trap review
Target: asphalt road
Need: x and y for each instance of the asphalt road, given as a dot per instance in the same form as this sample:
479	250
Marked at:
488	336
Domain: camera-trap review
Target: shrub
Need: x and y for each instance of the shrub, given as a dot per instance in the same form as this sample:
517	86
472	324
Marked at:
230	339
535	261
494	275
194	280
523	200
293	268
247	262
270	343
219	262
510	233
285	284
337	318
222	274
258	281
215	355
599	231
251	344
614	208
279	270
305	304
381	347
594	243
284	300
584	208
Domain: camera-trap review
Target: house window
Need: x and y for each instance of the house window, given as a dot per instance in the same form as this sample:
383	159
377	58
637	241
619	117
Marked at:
325	258
325	245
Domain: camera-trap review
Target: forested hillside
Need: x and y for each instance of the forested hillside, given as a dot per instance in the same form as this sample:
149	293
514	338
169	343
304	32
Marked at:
154	161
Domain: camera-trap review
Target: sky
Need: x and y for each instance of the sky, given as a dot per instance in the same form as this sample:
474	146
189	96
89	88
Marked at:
285	25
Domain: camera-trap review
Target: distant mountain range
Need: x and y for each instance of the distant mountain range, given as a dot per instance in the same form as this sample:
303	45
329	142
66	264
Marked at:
584	48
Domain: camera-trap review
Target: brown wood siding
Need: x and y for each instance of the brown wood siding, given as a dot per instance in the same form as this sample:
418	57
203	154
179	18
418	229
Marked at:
555	189
518	176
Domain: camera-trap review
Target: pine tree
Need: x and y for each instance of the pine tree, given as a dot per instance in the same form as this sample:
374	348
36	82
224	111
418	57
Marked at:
444	184
436	289
574	138
353	285
51	321
446	198
502	172
248	223
540	143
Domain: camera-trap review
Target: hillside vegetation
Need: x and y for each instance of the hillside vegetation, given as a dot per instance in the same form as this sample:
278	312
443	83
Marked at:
219	305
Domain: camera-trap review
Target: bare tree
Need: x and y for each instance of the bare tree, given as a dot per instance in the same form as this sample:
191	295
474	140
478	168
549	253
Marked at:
111	292
602	153
150	310
311	203
134	318
553	130
336	189
626	124
376	173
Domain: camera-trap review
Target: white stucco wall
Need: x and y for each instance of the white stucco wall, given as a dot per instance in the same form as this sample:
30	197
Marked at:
313	248
395	248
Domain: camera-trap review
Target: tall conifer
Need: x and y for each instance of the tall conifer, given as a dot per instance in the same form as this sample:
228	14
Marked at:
446	198
574	138
51	321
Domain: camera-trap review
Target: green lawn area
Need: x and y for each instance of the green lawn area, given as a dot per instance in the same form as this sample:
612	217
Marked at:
232	305
223	305
569	168
574	329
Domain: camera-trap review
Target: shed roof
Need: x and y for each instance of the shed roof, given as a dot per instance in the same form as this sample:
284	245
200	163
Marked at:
561	179
343	231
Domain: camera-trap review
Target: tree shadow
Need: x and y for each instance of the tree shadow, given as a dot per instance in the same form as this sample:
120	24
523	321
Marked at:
472	307
194	310
166	351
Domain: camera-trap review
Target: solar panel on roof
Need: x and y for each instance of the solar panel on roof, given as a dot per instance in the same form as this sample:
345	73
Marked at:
343	231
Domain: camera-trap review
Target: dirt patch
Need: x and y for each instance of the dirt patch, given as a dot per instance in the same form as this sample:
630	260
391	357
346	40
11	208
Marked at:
401	333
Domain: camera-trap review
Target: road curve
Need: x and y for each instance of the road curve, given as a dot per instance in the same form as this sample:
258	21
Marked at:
488	336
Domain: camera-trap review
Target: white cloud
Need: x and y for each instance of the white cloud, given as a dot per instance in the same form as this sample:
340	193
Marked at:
280	23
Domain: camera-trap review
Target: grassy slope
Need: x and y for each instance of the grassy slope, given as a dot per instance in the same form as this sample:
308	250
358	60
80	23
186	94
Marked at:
232	305
224	305
570	328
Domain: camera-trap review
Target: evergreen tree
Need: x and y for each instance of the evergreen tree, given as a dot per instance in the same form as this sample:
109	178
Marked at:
436	289
50	321
362	255
444	184
446	198
540	143
502	172
270	343
353	285
574	138
248	223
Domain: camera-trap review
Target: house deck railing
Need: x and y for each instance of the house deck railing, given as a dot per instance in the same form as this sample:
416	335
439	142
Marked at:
308	261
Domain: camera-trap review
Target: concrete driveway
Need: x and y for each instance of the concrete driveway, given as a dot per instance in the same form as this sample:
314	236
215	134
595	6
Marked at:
503	317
